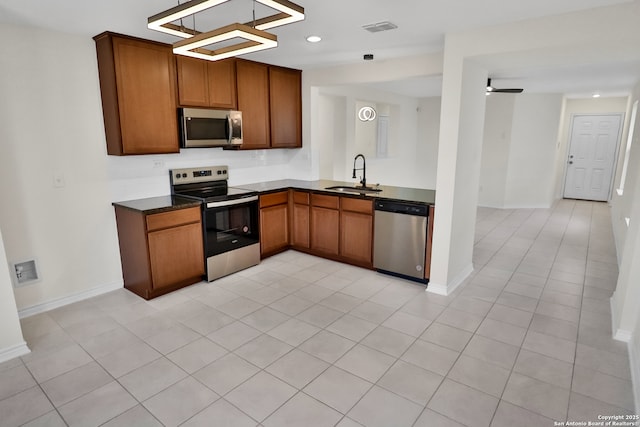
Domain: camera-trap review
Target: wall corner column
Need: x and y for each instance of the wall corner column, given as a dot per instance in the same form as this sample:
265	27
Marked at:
459	158
12	342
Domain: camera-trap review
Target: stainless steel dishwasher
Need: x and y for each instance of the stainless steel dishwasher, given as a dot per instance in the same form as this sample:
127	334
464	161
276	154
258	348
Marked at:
400	239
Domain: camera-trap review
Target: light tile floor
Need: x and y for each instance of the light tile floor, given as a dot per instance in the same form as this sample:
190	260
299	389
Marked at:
302	341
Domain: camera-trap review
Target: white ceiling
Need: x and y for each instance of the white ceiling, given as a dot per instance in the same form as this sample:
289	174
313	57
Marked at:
421	28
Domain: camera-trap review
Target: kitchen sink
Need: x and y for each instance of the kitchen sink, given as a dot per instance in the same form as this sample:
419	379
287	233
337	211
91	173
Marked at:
354	189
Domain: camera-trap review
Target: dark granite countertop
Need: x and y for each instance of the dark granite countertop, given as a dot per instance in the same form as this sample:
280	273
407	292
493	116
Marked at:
416	195
153	205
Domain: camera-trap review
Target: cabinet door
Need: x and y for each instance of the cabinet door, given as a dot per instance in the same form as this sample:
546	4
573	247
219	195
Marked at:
193	89
325	225
274	229
145	75
356	235
285	96
176	254
253	101
222	83
300	225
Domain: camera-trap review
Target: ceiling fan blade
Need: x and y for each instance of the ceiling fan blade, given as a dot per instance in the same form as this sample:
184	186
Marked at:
507	90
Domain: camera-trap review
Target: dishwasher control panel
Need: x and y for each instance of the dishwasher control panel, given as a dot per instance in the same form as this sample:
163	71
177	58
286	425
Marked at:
402	207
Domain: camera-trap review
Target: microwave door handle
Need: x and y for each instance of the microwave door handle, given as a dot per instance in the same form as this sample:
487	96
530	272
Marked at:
229	129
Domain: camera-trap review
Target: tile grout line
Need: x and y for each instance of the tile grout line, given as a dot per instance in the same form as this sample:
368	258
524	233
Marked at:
550	216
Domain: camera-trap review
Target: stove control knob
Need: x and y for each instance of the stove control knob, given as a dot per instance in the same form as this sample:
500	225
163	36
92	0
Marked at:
177	176
184	175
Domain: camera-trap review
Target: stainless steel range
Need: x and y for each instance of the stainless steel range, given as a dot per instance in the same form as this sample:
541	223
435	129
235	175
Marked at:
229	218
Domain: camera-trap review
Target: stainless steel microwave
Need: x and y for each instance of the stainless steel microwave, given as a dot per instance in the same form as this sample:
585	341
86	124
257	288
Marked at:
205	127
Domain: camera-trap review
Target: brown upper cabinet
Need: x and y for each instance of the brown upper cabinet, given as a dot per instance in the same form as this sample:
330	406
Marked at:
138	86
142	83
270	99
205	83
285	99
253	101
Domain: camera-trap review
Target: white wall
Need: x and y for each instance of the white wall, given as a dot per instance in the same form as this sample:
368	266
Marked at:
496	143
519	150
52	126
333	114
428	133
626	298
11	341
531	170
340	139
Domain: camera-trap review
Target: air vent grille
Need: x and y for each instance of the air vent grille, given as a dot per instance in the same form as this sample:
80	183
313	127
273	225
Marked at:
380	26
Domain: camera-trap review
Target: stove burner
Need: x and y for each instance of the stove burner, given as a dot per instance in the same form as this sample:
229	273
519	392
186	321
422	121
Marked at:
207	184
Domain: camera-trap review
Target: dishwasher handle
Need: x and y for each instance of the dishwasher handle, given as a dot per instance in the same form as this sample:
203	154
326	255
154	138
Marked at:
402	208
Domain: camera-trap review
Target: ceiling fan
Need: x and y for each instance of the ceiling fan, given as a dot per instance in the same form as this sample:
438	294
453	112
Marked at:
491	89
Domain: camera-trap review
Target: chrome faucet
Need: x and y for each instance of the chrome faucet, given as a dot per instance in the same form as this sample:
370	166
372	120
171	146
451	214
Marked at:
363	181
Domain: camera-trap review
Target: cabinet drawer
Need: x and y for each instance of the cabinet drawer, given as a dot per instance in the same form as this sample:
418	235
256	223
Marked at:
300	198
321	200
274	199
356	205
173	218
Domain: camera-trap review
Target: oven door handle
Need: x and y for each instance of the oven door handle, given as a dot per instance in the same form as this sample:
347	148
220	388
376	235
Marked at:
231	202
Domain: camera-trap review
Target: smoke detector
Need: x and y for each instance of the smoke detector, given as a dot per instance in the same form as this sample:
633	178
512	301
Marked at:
380	26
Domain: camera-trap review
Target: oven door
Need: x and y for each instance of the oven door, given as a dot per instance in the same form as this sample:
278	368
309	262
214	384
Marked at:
230	224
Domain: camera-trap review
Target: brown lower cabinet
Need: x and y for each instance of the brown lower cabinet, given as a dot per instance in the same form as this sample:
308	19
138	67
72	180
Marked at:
274	223
160	252
334	227
325	224
300	232
356	230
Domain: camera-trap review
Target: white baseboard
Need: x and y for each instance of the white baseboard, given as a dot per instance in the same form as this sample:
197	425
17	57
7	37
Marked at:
516	206
69	299
447	289
14	351
632	347
617	333
622	335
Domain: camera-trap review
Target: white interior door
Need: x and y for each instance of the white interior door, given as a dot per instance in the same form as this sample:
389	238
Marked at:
592	150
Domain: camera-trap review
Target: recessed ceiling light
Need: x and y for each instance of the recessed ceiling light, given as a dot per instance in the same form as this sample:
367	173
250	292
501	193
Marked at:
596	95
314	39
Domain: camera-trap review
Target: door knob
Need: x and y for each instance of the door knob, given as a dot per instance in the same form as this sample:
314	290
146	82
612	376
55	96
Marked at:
570	162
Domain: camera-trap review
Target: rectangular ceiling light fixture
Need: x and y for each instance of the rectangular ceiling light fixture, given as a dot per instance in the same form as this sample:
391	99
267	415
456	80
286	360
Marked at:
289	13
255	40
163	21
253	32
